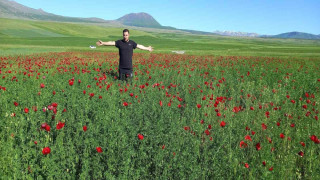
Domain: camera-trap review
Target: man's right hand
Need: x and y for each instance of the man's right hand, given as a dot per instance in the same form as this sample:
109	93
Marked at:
107	43
99	43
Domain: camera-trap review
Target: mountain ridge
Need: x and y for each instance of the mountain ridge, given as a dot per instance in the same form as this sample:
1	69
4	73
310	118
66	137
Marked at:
13	10
139	19
233	33
297	35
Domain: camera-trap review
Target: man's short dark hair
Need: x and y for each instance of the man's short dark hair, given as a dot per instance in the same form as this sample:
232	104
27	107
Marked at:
125	30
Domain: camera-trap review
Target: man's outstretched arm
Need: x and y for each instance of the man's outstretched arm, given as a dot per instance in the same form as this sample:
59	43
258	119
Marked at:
149	48
109	43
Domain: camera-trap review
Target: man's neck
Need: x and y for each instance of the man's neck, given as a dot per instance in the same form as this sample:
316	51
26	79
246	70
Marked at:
125	40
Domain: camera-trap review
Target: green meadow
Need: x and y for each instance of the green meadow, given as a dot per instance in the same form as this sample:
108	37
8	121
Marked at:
27	37
214	113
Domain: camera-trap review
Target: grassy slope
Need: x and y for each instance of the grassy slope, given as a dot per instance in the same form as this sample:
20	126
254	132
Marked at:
25	37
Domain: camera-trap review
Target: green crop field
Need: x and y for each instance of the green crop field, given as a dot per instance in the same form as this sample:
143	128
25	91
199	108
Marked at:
26	37
229	108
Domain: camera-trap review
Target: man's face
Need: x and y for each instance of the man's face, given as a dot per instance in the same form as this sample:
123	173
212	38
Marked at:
126	36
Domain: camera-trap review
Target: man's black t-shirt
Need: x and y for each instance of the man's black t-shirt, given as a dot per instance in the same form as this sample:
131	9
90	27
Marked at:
125	53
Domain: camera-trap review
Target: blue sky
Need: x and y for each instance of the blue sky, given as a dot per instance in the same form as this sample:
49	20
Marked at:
260	16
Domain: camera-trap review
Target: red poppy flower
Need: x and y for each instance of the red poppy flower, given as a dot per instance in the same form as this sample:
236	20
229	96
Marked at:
99	149
264	127
306	94
281	135
247	137
243	144
160	102
42	85
60	125
267	113
46	151
264	163
50	107
47	128
198	105
271	168
16	104
207	132
302	144
223	124
258	147
43	125
314	138
125	104
140	136
246	165
301	153
84	128
26	110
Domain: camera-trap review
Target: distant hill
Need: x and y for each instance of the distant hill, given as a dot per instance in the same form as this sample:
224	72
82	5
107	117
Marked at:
139	19
297	35
239	34
289	35
12	9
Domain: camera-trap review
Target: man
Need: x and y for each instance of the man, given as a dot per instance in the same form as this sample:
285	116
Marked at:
125	47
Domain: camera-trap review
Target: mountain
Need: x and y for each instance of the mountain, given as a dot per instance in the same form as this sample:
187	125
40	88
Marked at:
140	20
289	35
12	9
297	35
232	33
